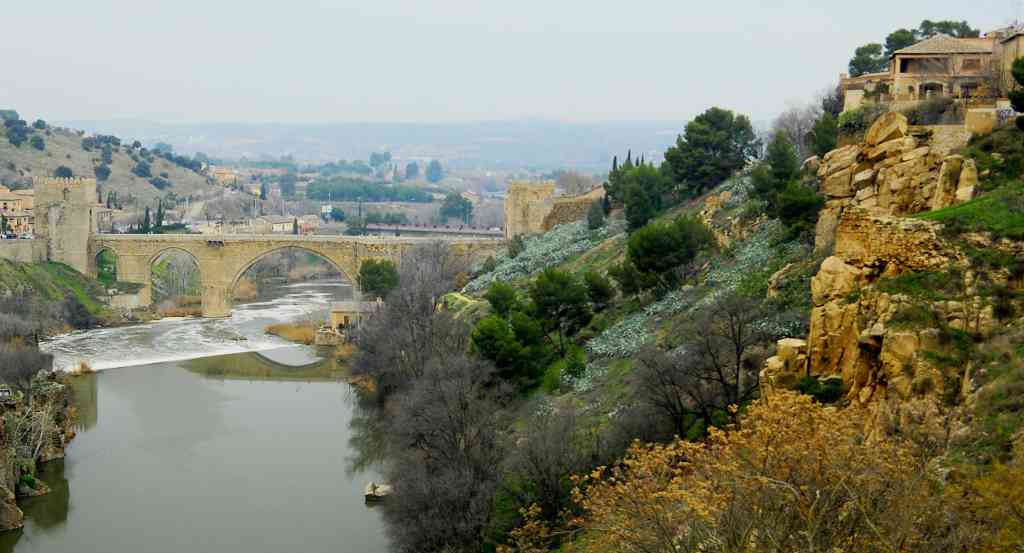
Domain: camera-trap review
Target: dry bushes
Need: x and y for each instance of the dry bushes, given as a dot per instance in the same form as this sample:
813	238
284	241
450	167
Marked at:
303	332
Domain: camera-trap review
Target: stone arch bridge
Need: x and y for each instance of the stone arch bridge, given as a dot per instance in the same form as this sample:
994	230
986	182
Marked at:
223	259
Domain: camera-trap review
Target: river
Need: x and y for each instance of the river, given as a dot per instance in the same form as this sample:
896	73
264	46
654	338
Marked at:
207	436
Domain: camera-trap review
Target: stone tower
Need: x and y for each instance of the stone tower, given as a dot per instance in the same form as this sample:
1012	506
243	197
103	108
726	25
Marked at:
66	216
526	205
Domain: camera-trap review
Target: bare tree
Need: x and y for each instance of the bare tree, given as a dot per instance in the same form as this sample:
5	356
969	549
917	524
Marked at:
448	453
715	368
798	122
398	343
551	448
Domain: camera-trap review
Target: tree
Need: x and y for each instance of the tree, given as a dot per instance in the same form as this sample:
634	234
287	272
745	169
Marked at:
37	143
145	222
295	226
39	124
868	59
1017	96
457	207
779	168
159	221
102	172
831	100
378	277
798	123
658	250
434	171
493	339
263	191
163	147
714	145
503	299
639	209
142	170
17	131
379	159
336	215
287	184
599	289
63	172
595	215
412	171
824	135
561	304
957	29
898	40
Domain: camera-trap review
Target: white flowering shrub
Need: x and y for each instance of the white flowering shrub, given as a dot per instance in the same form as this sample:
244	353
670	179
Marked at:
627	336
545	250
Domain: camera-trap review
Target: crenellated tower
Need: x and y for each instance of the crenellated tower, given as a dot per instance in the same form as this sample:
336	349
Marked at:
66	216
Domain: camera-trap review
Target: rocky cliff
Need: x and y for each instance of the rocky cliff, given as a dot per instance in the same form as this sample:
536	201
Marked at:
895	171
901	308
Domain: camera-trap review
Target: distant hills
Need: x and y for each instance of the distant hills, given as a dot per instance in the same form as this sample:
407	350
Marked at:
137	174
536	144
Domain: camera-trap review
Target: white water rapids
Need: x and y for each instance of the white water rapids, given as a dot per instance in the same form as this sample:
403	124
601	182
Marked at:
178	339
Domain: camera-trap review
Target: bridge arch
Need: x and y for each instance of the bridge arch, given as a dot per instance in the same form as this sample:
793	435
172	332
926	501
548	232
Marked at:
244	267
181	282
105	264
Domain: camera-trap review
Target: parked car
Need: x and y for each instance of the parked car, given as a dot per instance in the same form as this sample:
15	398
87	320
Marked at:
27	236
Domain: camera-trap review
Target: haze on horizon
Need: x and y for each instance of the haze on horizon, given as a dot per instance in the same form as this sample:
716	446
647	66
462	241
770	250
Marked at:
306	61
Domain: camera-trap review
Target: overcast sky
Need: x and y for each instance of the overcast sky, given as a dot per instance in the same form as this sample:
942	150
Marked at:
438	60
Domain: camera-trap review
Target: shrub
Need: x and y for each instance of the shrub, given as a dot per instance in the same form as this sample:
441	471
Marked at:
142	170
935	111
859	120
63	172
516	246
828	391
378	277
102	172
160	183
37	143
552	378
490	264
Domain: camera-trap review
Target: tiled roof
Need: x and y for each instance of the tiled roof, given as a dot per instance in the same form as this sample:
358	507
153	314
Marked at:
945	44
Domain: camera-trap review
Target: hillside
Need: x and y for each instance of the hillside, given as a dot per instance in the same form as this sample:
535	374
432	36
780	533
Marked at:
871	329
72	149
53	294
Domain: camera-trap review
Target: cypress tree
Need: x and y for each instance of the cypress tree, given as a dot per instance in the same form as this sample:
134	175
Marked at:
145	222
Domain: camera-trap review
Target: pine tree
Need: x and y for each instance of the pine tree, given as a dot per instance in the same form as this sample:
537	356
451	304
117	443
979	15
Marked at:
1017	96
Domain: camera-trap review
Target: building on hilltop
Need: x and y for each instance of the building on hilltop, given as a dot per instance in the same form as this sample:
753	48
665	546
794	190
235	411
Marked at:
974	71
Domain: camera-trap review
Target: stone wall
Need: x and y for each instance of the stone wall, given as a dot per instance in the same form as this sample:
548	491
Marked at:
533	208
23	251
571	209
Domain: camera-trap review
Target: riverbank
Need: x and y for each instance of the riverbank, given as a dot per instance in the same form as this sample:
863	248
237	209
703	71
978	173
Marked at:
38	424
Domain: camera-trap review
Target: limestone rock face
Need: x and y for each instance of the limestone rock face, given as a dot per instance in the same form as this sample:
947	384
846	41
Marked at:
890	126
893	172
866	334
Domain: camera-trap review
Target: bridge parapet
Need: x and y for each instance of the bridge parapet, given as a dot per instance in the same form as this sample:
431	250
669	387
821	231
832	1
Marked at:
223	259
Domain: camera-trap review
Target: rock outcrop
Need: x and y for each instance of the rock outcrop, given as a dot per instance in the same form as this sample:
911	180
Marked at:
895	171
886	341
31	435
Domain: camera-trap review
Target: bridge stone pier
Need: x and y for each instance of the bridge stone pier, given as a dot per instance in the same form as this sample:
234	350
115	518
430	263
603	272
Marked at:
223	259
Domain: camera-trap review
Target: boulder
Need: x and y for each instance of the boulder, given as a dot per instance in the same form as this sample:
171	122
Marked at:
838	185
889	126
948	182
811	165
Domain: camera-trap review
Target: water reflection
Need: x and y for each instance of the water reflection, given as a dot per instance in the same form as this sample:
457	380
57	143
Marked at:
235	454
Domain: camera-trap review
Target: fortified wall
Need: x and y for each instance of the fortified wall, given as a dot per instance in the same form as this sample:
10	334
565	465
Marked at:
66	216
533	208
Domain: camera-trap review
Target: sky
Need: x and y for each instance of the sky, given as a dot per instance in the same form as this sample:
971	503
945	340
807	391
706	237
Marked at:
306	61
